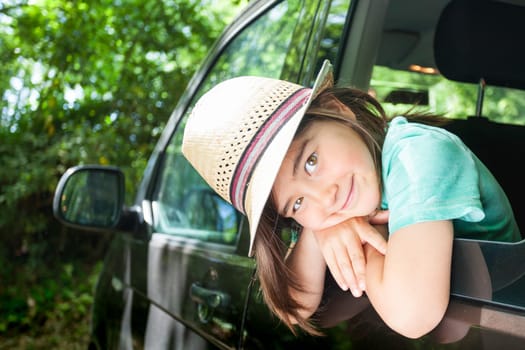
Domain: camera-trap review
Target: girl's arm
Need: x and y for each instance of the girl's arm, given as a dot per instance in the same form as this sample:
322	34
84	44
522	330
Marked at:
307	262
409	286
341	247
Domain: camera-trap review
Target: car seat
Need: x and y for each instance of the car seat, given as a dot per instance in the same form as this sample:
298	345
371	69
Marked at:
481	42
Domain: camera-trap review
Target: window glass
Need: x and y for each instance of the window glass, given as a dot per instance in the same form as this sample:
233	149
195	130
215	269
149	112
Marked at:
400	90
260	50
332	38
497	138
184	204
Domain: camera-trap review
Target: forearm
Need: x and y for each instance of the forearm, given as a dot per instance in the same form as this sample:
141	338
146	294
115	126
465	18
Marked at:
309	267
378	291
408	287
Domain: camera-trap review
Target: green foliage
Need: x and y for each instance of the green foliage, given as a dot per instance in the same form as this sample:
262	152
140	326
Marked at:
82	82
49	308
63	296
452	99
93	82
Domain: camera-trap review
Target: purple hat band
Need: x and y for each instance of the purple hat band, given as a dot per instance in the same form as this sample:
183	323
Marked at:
263	136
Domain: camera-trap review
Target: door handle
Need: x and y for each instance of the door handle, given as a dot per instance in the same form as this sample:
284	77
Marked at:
208	300
208	297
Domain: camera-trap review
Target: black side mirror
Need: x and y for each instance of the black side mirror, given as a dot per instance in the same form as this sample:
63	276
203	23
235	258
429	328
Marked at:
90	197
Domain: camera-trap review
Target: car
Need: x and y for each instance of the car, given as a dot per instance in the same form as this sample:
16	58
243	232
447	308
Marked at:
177	273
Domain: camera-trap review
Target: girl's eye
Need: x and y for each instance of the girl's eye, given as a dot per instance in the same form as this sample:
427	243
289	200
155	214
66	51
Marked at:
297	204
311	163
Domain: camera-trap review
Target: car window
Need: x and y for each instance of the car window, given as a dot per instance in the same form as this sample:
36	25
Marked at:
405	77
402	89
184	205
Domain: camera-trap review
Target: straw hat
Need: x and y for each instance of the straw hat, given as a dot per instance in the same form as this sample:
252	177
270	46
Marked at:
239	132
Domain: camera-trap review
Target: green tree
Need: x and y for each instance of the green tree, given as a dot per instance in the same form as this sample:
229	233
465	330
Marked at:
87	82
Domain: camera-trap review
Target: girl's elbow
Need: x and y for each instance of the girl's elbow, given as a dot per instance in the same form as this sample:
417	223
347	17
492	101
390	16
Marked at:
419	322
302	313
419	328
308	302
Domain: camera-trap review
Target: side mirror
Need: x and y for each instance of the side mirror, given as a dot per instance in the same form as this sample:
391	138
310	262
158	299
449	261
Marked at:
90	197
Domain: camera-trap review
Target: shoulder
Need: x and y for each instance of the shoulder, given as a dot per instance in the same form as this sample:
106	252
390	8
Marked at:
414	142
401	131
428	174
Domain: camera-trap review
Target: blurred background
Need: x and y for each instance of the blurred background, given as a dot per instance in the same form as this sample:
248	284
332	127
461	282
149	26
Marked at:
81	82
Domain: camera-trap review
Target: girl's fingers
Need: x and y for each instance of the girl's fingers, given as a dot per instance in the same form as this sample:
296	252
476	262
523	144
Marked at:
380	217
342	268
357	272
342	248
346	267
333	266
375	239
356	256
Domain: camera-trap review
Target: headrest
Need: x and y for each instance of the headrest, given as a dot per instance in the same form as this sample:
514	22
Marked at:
482	39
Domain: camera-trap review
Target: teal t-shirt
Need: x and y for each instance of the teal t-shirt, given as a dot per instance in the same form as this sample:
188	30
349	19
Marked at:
430	174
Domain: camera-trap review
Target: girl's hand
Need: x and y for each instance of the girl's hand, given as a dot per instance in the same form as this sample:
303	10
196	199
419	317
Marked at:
342	249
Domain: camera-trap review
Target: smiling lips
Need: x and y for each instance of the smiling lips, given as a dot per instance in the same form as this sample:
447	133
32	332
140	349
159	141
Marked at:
349	196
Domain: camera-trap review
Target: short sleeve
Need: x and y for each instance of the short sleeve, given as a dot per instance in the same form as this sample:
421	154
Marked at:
428	175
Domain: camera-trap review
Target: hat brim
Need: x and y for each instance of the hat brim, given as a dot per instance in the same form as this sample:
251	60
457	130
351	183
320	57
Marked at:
265	172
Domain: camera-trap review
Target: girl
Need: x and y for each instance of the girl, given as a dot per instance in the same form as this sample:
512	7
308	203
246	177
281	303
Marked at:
329	164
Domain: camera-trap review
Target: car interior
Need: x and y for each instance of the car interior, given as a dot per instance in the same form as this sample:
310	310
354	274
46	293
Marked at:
470	47
482	47
466	49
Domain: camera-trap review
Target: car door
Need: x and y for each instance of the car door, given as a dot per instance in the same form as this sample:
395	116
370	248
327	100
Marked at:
198	272
486	309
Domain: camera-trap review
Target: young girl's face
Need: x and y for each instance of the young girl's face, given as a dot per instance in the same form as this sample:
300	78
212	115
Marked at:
327	176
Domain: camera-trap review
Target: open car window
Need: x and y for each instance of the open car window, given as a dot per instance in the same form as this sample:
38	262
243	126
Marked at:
491	121
184	205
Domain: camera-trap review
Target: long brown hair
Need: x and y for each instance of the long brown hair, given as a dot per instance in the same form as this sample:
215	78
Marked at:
275	277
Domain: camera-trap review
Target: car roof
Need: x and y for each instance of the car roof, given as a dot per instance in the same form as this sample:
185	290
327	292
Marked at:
408	32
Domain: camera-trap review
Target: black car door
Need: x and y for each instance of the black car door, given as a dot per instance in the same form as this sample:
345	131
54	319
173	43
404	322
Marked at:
198	271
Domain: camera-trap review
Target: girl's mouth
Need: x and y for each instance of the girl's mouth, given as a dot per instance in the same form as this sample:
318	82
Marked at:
349	196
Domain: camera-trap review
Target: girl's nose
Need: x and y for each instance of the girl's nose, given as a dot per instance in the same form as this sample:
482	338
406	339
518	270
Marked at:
324	195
